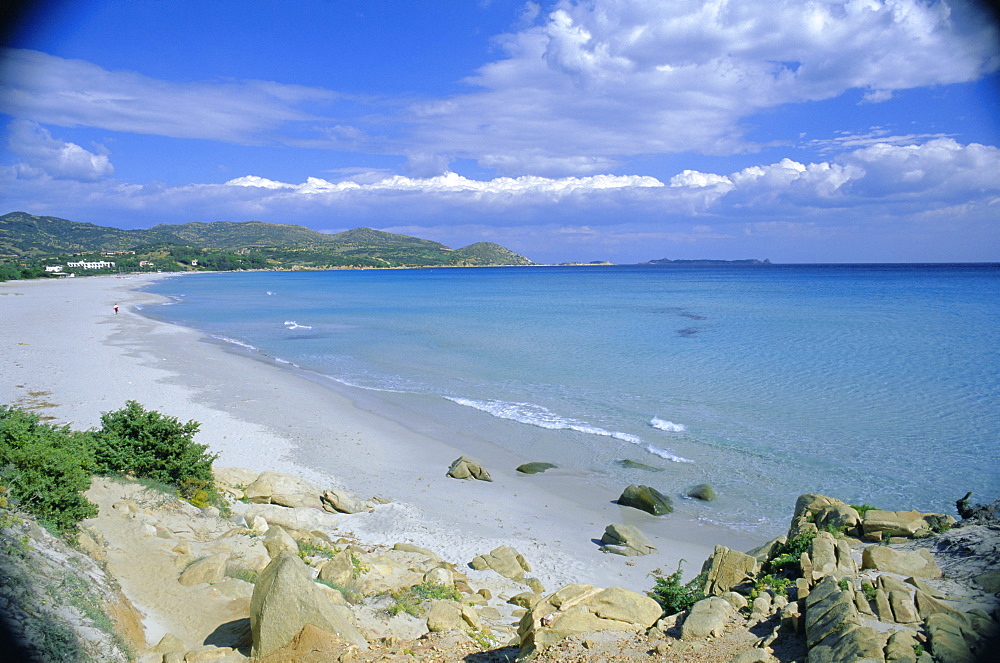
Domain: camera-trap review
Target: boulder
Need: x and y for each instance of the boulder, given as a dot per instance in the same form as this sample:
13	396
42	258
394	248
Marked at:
277	541
823	555
647	499
339	501
908	524
465	468
918	563
702	491
754	656
950	638
285	599
737	600
837	516
296	518
899	648
809	504
583	609
237	477
452	616
444	616
765	552
625	540
707	617
209	569
504	560
726	568
338	570
312	645
284	489
903	608
535	467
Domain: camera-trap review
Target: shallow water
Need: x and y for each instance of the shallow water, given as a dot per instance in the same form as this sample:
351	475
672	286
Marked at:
872	383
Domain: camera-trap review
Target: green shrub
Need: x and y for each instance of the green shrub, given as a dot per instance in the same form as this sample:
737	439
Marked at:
776	586
673	596
787	556
410	599
155	446
46	469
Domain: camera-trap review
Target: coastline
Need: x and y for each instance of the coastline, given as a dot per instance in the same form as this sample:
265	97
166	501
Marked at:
71	357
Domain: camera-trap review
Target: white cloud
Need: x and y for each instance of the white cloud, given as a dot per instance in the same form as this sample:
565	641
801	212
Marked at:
44	156
453	183
52	90
602	79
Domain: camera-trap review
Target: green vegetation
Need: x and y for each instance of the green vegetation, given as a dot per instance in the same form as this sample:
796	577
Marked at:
775	585
786	558
313	549
150	445
411	599
672	595
869	590
46	468
30	243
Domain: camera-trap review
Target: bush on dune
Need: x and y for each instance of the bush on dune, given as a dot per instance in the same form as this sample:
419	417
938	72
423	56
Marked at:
45	468
147	444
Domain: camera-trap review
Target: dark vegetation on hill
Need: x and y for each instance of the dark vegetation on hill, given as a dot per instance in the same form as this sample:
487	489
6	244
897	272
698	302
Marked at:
29	243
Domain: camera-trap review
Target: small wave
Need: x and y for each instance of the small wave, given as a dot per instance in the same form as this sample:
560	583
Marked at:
670	426
269	292
291	324
666	455
283	361
242	344
542	417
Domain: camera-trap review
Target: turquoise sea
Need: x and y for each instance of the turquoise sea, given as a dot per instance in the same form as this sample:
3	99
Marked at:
876	384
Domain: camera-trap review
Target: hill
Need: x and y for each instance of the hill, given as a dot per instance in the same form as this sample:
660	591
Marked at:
227	245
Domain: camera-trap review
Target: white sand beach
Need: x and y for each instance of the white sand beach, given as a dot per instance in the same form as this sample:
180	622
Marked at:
66	354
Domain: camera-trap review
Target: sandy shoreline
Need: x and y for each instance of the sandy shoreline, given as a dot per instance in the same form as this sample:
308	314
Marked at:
67	353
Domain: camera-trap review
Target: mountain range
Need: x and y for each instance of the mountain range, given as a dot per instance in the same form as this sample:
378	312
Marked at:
227	245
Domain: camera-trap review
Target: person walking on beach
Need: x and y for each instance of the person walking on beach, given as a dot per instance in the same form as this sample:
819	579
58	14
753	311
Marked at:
116	309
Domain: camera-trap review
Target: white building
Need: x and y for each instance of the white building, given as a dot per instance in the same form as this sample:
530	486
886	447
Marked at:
100	264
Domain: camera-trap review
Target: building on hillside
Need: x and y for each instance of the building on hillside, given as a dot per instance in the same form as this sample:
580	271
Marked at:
53	268
100	264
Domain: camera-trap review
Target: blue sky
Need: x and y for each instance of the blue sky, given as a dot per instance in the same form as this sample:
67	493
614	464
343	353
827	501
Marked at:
621	130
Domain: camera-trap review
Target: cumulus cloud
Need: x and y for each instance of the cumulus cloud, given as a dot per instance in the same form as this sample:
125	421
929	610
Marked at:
44	156
451	183
923	183
70	93
601	79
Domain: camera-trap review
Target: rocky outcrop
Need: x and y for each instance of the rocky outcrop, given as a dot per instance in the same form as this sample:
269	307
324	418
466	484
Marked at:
339	501
504	560
465	468
726	569
582	609
706	618
647	499
283	489
285	599
919	563
625	540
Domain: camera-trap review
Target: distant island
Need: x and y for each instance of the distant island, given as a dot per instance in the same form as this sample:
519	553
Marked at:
751	262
